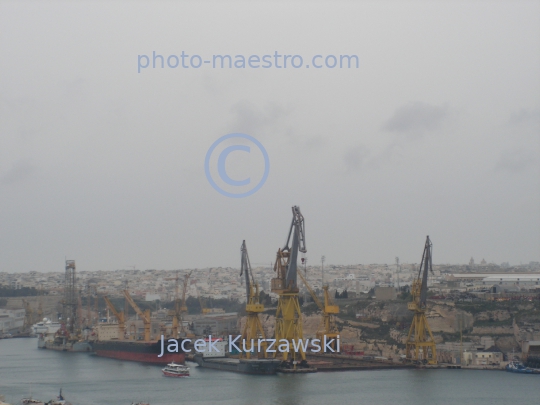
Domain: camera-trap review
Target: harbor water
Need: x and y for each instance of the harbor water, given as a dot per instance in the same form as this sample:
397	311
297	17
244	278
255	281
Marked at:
89	380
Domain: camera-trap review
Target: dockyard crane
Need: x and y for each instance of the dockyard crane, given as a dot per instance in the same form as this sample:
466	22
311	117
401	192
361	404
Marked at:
288	315
420	346
119	316
28	315
145	316
204	310
253	329
327	327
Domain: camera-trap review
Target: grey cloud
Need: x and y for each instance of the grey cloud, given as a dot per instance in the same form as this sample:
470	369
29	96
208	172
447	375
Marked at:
355	158
524	116
19	172
416	117
515	161
250	119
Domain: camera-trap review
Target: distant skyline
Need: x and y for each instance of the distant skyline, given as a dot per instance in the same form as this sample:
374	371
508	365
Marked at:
310	266
437	132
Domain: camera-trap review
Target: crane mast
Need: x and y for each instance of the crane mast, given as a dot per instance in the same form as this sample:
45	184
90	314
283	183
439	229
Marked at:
420	346
253	329
145	316
327	327
176	312
288	315
28	315
119	316
204	310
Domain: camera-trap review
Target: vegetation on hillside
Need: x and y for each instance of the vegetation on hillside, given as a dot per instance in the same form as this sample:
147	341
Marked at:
6	291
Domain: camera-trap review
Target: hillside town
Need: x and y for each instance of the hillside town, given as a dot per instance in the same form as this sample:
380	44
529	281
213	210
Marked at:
479	313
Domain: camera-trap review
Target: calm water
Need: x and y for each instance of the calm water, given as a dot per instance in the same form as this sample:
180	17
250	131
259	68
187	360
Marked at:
90	380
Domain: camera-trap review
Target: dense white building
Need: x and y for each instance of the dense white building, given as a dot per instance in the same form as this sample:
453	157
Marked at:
11	320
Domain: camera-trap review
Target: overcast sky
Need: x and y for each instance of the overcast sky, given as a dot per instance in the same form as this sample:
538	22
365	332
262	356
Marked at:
436	132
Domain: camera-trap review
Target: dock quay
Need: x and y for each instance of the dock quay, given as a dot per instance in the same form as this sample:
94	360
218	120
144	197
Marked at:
347	363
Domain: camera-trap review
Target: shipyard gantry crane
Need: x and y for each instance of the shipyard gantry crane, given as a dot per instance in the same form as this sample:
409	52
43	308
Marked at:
69	303
253	329
119	317
145	316
288	315
327	327
420	345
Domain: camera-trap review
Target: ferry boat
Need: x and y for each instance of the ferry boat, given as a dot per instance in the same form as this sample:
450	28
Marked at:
175	370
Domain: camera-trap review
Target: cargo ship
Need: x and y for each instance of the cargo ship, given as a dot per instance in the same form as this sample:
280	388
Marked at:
132	350
218	360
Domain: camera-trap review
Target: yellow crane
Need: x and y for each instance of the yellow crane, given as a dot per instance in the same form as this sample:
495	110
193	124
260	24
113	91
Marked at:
288	315
184	308
204	310
327	326
176	313
28	315
145	316
119	317
40	311
253	329
420	346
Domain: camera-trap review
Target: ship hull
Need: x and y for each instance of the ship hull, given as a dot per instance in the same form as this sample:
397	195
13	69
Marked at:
244	366
136	351
169	374
64	346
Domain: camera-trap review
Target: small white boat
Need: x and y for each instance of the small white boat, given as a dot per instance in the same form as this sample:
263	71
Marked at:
175	370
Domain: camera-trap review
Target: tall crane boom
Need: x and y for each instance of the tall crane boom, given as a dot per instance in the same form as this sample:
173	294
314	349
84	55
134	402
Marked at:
298	244
286	265
288	314
245	269
427	264
253	327
420	345
311	292
119	316
28	315
327	327
145	316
